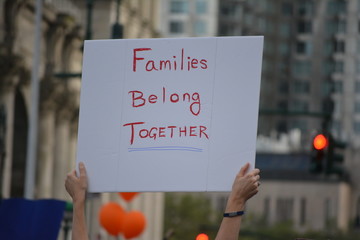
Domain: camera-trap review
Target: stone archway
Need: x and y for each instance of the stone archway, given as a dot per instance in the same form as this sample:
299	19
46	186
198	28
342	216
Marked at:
19	146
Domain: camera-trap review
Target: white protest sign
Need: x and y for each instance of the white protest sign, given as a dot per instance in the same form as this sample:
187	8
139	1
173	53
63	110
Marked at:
168	114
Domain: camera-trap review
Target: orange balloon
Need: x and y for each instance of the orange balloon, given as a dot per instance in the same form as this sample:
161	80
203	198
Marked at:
134	224
202	236
111	217
128	196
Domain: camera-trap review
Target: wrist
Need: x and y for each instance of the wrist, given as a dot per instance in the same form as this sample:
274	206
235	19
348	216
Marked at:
234	205
79	202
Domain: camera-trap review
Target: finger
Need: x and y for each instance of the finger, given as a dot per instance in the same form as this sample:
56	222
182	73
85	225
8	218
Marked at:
254	172
82	170
71	174
244	169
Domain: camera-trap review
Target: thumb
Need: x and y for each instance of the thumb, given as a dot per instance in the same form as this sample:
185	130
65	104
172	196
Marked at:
244	169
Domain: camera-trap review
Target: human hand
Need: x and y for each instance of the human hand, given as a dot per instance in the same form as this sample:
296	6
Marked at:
77	186
245	186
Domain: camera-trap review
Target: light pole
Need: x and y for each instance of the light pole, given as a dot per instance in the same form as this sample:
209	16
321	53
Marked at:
117	28
33	128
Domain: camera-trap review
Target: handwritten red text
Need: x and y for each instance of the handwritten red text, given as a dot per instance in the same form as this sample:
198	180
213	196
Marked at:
142	58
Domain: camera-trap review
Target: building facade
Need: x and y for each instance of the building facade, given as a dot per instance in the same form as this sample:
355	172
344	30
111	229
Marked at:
310	55
310	67
184	18
64	26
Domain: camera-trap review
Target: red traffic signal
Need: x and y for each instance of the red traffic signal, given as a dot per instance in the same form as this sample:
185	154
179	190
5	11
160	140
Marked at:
202	236
320	142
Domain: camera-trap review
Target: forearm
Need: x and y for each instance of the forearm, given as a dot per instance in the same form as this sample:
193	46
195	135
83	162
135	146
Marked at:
230	226
79	231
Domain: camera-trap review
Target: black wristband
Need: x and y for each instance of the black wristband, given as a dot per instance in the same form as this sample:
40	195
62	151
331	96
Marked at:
234	214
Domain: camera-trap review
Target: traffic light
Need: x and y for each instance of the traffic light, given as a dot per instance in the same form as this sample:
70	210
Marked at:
335	156
202	236
318	155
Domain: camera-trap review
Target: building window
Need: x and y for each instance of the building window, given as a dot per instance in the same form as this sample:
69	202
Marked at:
331	67
339	66
284	209
328	105
228	30
262	24
201	6
327	87
269	47
303	47
336	7
230	10
283	105
357	127
283	87
304	26
284	68
306	8
331	47
357	87
358	66
302	68
302	211
285	30
336	26
339	46
328	67
287	9
249	18
301	87
357	107
336	126
337	87
179	6
200	27
282	126
176	27
299	106
284	49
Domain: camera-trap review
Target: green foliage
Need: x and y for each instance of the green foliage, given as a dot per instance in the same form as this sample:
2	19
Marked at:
187	215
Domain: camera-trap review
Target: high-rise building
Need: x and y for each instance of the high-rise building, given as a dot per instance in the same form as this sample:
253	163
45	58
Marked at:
309	55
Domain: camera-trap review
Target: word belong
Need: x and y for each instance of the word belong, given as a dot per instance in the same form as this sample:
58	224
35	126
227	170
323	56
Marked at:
139	100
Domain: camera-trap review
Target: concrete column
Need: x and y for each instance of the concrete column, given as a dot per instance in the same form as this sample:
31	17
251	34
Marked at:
344	206
8	99
46	155
61	160
158	218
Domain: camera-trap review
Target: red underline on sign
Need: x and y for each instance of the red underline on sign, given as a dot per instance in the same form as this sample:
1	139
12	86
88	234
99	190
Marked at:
166	148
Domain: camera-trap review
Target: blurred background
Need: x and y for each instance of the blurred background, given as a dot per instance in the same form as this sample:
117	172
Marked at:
310	85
